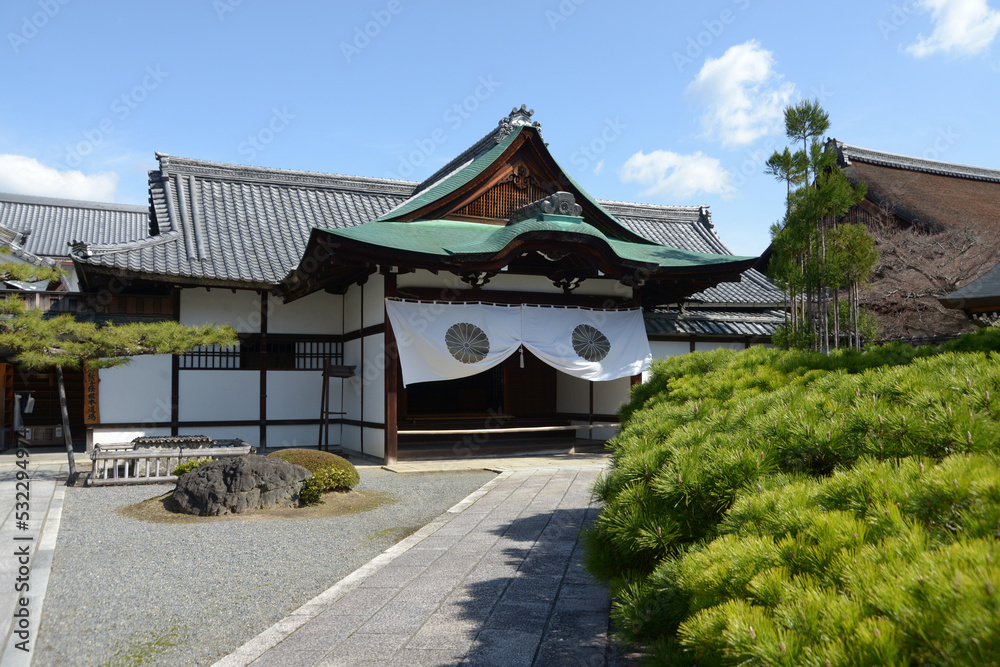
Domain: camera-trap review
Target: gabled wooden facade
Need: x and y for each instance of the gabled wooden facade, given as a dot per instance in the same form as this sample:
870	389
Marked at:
480	225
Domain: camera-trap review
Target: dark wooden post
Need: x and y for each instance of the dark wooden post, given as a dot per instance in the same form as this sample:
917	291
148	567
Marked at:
591	383
391	380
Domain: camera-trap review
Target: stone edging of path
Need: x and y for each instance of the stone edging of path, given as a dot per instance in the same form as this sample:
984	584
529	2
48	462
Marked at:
274	635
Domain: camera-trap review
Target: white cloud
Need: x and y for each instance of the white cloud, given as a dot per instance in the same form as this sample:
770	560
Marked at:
27	176
743	95
964	27
599	168
677	176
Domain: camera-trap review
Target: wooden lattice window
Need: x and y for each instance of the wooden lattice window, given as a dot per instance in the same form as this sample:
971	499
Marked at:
283	352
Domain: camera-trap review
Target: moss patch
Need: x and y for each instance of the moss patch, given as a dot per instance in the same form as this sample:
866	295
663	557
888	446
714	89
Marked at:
395	534
162	509
144	651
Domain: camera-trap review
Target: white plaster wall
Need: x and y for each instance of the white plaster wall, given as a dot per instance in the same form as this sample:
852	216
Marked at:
351	438
248	434
572	394
137	392
374	295
353	386
318	313
595	433
352	309
708	347
305	437
374	442
336	388
295	394
608	396
219	396
221	306
374	379
662	349
114	436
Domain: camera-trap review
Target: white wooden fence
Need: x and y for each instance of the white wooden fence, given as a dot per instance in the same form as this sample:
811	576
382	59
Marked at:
122	464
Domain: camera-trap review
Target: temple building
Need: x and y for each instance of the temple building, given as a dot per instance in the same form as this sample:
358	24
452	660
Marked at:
937	229
494	308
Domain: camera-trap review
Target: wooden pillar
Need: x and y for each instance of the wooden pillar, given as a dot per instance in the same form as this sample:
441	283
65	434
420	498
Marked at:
391	380
361	371
262	438
591	383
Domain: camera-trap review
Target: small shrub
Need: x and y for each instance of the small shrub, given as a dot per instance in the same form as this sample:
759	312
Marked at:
330	472
311	492
188	466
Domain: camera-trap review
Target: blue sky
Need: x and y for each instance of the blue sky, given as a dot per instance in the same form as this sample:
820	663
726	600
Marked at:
658	102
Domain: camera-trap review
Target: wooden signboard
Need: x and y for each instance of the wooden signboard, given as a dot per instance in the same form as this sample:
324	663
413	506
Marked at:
91	399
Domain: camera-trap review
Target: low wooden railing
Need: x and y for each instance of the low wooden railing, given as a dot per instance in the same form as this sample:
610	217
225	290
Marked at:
122	464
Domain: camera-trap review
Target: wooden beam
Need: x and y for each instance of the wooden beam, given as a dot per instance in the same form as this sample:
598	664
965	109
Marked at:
522	429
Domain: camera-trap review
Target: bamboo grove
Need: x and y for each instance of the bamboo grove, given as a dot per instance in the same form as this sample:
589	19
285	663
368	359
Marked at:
820	261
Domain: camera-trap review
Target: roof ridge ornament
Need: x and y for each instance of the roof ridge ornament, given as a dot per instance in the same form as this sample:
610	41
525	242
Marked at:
517	118
560	203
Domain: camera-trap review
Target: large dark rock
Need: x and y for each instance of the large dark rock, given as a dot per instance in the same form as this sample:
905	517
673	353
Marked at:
240	484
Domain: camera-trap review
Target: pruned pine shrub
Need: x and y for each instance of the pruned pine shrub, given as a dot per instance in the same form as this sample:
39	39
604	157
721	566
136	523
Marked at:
770	507
329	472
188	466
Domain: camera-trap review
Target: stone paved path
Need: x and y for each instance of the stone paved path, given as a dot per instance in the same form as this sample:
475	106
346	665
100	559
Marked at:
497	580
34	543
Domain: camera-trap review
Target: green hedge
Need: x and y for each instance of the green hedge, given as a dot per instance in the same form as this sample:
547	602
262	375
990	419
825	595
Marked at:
770	507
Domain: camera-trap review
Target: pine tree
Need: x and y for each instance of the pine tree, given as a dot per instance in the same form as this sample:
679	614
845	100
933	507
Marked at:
42	342
812	260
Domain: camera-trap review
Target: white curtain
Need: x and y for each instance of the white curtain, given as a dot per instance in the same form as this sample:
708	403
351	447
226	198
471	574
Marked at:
589	344
447	341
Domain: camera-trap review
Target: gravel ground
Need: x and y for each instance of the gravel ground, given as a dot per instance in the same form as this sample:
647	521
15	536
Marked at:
130	592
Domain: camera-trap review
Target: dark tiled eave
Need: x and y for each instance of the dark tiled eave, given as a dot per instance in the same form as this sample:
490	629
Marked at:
850	153
707	322
50	224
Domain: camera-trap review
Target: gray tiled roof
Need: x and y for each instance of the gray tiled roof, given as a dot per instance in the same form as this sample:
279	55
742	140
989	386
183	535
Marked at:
691	228
52	224
848	153
983	291
240	226
709	322
13	241
248	226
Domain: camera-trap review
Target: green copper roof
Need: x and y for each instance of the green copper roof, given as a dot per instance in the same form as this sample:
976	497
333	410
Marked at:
451	183
455	239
